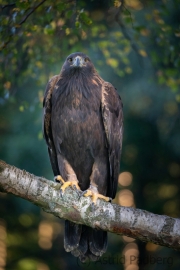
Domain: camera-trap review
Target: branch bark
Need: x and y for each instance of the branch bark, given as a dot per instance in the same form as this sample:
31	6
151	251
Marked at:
136	223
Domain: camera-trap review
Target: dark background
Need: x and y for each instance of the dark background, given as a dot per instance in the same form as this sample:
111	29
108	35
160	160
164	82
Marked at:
136	48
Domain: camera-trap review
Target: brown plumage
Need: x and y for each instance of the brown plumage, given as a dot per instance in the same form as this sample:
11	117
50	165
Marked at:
83	125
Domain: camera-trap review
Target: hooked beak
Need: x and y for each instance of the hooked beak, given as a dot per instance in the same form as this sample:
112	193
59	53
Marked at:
78	61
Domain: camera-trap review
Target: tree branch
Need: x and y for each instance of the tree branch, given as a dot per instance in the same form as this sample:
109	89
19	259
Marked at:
33	9
118	19
136	223
8	5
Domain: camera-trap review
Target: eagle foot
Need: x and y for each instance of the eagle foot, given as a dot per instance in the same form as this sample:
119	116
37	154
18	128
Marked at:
92	191
59	178
65	184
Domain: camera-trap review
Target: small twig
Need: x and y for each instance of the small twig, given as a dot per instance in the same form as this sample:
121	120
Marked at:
6	43
8	5
129	15
25	18
33	9
123	28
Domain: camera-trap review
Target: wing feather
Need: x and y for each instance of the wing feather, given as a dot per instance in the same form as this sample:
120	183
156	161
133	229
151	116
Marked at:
112	115
47	132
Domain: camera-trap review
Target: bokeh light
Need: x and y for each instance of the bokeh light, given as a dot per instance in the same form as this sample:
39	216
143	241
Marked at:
131	253
45	234
3	250
125	179
126	198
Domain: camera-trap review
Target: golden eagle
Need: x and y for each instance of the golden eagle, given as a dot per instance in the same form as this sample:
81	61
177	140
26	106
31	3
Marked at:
83	126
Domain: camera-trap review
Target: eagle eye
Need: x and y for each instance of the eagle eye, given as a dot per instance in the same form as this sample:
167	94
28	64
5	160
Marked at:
70	60
86	59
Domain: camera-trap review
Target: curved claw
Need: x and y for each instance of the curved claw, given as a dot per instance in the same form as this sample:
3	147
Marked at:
81	194
93	206
76	187
84	192
61	193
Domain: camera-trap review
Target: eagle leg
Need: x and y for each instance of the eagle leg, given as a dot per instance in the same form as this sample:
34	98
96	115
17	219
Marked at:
71	182
92	191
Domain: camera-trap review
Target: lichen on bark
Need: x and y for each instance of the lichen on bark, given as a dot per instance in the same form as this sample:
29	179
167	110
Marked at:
136	223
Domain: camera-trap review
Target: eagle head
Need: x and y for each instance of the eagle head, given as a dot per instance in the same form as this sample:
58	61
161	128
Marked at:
77	61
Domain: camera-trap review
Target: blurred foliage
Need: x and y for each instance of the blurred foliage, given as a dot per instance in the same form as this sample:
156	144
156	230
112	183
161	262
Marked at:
135	45
33	33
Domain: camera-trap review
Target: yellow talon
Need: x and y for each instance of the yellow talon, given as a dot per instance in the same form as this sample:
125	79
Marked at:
72	183
88	193
60	179
95	195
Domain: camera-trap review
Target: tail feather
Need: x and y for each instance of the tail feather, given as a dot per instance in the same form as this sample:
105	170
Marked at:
97	242
72	235
84	242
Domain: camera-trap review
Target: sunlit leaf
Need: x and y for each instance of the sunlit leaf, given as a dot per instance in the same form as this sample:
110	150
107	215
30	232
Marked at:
143	53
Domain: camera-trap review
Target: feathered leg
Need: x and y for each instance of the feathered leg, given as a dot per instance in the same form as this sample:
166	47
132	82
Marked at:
98	182
67	175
